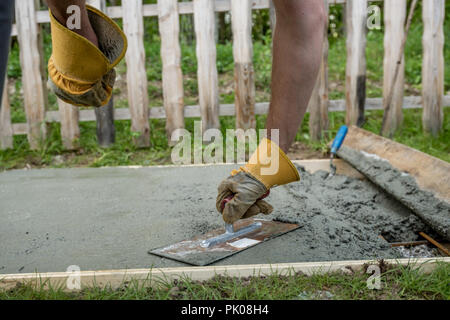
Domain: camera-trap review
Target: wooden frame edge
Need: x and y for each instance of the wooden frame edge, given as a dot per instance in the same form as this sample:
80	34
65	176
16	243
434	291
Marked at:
152	277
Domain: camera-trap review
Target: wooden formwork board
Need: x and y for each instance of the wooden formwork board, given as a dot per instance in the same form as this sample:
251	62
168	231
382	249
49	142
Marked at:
153	277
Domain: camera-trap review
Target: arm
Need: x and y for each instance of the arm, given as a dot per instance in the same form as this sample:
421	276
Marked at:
59	10
297	48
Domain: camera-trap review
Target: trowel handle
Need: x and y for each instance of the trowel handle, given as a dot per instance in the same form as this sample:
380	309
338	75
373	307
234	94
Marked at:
340	136
227	199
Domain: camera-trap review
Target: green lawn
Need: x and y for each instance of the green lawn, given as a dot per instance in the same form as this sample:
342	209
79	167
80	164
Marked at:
396	283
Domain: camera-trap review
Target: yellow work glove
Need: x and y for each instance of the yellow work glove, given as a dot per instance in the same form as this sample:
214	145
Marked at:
240	195
79	72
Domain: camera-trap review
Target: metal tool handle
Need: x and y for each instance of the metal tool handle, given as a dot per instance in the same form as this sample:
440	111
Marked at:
337	142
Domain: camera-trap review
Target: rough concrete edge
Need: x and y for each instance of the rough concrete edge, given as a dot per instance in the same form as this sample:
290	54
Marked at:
360	161
154	277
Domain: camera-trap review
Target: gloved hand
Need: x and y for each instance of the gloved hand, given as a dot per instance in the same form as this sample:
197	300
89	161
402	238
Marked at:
240	195
79	72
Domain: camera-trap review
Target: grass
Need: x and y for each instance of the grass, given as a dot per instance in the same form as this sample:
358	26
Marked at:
397	282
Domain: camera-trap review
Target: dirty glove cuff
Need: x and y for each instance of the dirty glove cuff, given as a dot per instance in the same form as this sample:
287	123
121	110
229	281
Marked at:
79	72
270	165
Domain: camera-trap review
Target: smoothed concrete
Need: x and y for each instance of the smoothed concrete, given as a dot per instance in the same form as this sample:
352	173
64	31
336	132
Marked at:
108	218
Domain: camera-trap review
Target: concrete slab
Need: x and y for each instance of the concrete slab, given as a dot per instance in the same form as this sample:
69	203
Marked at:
108	218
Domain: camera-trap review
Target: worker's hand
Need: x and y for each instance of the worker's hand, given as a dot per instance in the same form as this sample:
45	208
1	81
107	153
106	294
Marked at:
240	195
81	73
243	192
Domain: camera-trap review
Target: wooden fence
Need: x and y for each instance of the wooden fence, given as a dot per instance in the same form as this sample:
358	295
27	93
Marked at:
132	13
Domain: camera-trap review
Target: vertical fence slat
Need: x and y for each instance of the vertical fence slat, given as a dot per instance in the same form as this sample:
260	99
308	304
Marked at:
172	77
273	16
204	21
241	17
6	132
133	25
104	115
30	61
70	130
394	22
355	86
433	65
318	105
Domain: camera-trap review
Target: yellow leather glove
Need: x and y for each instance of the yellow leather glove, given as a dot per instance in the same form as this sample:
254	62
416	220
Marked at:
240	195
79	72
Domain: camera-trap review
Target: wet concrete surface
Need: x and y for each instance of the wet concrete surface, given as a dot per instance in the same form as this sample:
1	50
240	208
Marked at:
430	209
108	218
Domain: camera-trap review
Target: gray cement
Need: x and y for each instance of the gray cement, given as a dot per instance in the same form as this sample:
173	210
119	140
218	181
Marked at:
109	218
433	211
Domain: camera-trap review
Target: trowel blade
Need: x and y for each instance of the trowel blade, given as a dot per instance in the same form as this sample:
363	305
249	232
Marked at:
193	253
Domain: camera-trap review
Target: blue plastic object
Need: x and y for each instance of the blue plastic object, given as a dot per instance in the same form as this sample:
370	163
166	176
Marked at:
340	136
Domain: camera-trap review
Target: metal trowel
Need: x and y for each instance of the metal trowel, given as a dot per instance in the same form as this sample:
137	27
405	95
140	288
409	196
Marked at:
224	242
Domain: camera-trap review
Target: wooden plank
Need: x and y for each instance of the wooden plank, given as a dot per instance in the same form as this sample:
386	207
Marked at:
241	17
172	77
208	83
394	21
133	26
355	85
193	111
70	130
30	61
153	277
431	174
433	65
435	243
318	105
6	131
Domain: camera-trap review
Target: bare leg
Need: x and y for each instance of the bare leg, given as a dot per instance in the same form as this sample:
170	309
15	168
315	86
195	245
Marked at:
59	10
297	49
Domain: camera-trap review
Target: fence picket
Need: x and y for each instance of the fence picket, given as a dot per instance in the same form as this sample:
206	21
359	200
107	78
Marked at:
70	130
204	21
6	131
433	65
394	21
34	92
355	86
172	77
133	26
241	17
318	105
174	111
104	115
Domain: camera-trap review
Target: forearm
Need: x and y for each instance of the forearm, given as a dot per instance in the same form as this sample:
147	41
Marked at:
60	12
297	47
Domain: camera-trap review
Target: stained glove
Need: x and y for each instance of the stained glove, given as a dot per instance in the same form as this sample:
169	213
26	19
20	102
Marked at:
240	195
79	72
